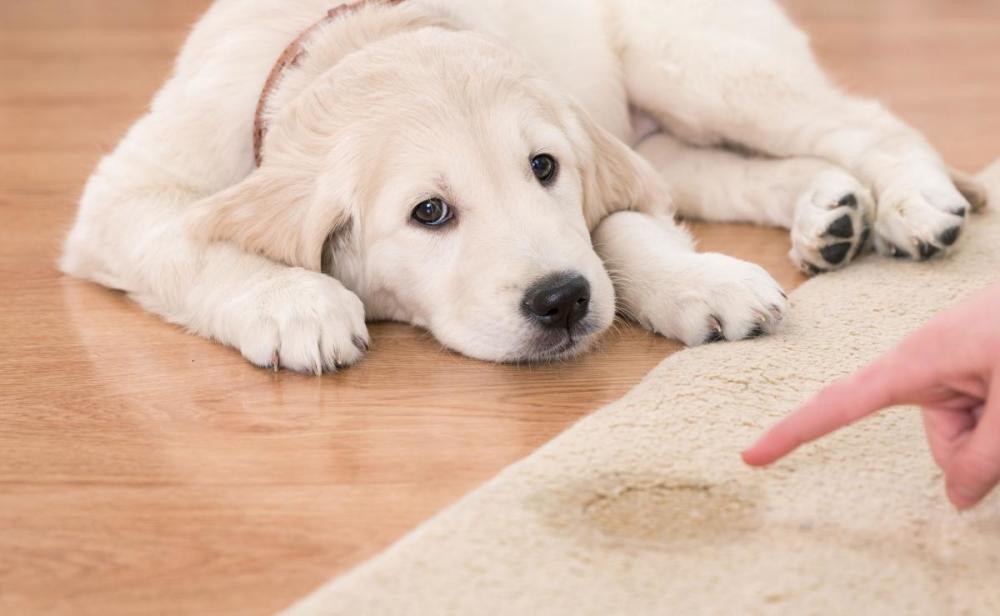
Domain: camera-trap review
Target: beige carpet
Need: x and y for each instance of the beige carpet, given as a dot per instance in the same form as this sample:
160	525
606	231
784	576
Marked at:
645	508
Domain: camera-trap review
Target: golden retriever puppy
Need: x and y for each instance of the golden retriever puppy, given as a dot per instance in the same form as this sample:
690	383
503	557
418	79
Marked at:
468	167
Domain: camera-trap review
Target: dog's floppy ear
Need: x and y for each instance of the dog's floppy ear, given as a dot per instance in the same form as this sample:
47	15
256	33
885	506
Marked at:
616	178
288	207
273	212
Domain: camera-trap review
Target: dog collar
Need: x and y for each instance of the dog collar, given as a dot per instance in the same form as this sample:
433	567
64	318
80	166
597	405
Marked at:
290	57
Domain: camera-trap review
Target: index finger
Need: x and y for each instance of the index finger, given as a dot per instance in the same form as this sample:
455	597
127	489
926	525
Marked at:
840	404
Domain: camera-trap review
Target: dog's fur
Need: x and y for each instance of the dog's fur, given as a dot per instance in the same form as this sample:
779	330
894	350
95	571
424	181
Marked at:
393	105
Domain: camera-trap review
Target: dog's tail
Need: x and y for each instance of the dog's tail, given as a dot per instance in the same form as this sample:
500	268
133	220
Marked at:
973	189
988	183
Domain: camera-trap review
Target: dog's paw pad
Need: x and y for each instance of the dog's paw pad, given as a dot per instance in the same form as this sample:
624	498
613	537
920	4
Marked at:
831	225
927	250
834	254
850	200
843	227
950	236
898	253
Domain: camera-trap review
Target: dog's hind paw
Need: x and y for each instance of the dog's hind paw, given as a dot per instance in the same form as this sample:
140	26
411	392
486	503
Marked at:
832	223
920	217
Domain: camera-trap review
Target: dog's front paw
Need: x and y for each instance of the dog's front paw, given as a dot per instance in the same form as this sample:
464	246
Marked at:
832	223
919	216
714	298
302	321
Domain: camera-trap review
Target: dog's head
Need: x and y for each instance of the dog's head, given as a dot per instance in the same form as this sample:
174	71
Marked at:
448	186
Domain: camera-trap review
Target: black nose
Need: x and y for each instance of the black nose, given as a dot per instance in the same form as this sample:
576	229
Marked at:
558	301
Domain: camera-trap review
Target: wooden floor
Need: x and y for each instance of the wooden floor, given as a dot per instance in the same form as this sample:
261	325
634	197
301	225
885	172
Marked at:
145	471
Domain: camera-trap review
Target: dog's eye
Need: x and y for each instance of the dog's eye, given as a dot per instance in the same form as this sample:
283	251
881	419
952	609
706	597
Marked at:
545	168
432	213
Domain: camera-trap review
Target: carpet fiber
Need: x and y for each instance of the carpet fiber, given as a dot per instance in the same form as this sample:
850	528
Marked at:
645	507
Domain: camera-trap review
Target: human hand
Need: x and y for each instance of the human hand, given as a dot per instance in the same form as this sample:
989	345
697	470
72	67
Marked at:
951	369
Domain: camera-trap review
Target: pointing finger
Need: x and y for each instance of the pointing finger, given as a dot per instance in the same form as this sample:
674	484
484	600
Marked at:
838	405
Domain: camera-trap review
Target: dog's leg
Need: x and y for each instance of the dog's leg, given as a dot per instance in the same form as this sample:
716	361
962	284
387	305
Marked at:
670	289
718	72
827	210
135	239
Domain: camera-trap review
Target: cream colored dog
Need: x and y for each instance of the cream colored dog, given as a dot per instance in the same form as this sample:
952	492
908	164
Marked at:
462	166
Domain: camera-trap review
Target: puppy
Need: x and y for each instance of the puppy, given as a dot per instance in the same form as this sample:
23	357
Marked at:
466	167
